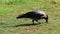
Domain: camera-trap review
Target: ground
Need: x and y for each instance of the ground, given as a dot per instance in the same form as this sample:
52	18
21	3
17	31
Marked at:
10	9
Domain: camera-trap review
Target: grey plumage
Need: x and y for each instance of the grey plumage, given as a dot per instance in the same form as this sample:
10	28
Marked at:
35	16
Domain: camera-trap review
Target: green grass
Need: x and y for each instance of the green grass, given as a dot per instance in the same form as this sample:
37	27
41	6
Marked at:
10	9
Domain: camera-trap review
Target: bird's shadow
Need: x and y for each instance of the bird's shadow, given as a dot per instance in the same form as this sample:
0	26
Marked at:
25	25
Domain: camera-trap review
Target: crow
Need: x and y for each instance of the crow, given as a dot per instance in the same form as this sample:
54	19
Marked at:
35	16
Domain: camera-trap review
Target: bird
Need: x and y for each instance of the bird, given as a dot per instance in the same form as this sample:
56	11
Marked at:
34	15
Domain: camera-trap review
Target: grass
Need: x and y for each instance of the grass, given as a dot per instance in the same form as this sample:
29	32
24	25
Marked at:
10	9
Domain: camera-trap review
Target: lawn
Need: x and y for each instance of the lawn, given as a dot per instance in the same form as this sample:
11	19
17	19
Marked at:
10	9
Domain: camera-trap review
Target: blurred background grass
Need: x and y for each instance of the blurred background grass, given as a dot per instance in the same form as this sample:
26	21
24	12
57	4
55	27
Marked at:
10	9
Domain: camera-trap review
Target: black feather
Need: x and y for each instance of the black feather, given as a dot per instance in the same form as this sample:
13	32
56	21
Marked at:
32	15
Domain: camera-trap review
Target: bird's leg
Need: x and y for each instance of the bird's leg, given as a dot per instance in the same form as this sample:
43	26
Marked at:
38	22
33	21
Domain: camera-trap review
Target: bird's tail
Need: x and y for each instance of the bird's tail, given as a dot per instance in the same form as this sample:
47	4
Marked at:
21	16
